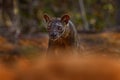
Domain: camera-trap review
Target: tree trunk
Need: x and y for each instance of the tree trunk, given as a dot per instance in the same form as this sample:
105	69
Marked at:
117	12
7	12
11	19
117	15
83	15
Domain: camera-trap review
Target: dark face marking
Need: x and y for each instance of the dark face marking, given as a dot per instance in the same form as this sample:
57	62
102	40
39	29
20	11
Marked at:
55	29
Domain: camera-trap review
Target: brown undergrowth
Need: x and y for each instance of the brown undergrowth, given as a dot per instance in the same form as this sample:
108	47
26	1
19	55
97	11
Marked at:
93	64
89	67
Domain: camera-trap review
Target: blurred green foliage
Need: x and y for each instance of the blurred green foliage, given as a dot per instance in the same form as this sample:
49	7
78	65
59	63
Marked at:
100	13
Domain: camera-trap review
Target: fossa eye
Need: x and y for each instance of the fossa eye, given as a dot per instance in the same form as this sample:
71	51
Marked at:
59	28
48	28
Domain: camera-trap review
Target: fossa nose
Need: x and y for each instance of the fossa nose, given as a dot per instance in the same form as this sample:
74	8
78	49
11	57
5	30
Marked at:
53	35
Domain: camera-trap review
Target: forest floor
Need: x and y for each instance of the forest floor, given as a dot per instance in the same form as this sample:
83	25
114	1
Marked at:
91	43
102	43
33	67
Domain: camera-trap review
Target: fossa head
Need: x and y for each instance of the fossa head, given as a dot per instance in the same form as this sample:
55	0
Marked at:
56	26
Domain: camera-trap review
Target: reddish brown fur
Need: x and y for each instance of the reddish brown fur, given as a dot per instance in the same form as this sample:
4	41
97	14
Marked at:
62	35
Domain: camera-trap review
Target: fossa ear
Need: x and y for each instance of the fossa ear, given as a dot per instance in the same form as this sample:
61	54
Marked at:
47	18
65	19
